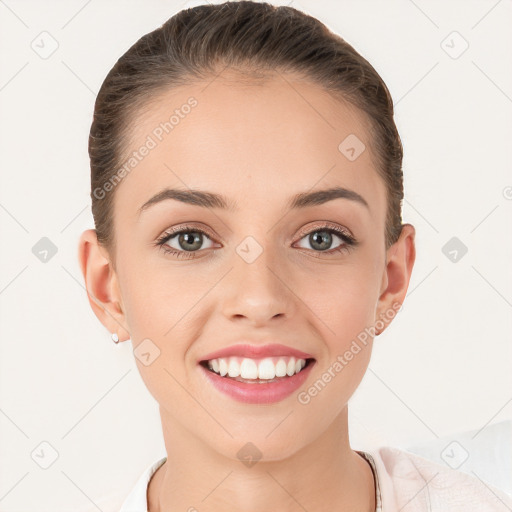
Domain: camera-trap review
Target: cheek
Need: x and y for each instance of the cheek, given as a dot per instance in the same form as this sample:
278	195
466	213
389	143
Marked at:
344	299
344	314
161	303
156	303
150	286
145	294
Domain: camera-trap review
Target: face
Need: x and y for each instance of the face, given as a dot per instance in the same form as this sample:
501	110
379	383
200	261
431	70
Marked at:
267	267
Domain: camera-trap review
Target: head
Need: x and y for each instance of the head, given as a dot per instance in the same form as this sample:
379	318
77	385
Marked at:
282	222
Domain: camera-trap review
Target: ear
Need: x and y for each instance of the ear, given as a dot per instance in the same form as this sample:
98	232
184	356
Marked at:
102	284
400	259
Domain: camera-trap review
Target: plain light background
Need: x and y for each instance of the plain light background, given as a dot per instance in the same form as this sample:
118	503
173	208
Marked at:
442	366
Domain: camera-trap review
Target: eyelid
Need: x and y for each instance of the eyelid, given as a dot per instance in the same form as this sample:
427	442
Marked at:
303	232
184	228
325	225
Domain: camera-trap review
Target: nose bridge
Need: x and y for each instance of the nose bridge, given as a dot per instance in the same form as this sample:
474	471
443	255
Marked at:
257	289
254	261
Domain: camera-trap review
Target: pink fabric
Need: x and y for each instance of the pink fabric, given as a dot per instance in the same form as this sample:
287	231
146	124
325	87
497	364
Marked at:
410	483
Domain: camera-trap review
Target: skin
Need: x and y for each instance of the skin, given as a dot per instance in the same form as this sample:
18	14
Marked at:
258	144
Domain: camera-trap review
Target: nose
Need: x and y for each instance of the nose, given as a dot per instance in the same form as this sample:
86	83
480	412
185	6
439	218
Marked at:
257	290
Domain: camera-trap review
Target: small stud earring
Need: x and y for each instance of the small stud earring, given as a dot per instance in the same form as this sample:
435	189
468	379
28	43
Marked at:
115	337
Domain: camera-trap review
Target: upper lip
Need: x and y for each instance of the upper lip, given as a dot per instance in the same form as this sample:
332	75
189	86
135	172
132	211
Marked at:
256	351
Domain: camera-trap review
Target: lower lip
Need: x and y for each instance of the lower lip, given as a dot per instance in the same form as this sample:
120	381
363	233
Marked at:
257	393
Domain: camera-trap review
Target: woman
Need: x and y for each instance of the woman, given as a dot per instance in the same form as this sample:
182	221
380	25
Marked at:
246	190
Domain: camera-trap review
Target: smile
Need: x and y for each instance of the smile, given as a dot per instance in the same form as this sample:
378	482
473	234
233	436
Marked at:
254	370
265	380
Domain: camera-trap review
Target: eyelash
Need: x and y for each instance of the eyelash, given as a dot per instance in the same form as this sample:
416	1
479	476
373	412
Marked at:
348	240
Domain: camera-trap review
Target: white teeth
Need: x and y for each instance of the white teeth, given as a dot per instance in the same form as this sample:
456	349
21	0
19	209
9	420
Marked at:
280	368
234	367
263	369
248	369
290	368
266	369
223	367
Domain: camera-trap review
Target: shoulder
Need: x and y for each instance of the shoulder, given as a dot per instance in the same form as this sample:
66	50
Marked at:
415	483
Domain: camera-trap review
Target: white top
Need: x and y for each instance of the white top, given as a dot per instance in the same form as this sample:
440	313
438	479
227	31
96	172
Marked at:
404	481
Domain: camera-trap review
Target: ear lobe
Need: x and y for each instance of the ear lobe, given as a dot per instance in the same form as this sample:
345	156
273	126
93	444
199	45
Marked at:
397	274
100	280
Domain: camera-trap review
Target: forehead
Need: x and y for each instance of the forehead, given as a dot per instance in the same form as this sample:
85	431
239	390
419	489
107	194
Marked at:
247	139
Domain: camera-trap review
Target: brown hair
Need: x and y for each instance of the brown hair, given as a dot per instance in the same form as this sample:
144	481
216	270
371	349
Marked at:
259	37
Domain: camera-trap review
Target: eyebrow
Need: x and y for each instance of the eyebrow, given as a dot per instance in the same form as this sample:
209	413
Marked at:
212	200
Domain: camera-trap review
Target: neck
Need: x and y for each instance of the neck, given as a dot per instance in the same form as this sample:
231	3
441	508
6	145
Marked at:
321	476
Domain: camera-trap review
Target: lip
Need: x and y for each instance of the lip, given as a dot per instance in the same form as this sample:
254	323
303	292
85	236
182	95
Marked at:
257	393
256	351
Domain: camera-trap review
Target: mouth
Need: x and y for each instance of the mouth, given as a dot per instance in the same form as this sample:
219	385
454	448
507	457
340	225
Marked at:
257	381
256	371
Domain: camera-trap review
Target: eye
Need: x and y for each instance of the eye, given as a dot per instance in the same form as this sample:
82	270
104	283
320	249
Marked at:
322	238
183	242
